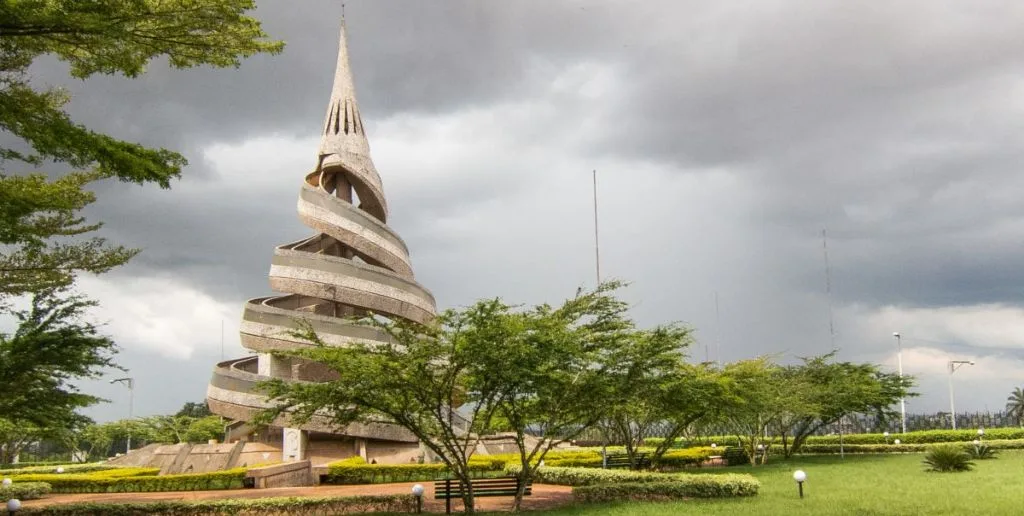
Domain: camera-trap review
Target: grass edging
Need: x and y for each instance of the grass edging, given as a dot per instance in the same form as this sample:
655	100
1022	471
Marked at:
289	505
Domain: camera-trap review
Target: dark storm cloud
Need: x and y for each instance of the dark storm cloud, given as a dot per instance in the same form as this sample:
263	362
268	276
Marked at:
727	136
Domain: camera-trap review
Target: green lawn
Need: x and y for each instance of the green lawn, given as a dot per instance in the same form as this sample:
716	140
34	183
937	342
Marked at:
862	485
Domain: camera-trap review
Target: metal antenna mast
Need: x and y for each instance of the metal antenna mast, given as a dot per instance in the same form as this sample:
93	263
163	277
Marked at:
597	246
828	290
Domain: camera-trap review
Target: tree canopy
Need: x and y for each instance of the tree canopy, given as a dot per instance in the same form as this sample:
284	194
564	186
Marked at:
51	348
95	37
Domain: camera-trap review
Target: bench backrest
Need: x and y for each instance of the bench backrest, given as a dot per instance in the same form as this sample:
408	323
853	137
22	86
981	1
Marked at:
504	486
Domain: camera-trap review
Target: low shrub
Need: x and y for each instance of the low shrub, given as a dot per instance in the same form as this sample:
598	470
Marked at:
298	506
947	458
110	482
52	468
342	472
579	477
24	491
693	486
898	448
21	465
981	451
681	458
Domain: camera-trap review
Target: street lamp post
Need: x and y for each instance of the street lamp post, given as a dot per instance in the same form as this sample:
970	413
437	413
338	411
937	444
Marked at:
130	382
953	366
903	400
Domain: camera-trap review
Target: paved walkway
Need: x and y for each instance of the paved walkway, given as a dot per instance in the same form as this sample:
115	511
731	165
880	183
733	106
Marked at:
543	497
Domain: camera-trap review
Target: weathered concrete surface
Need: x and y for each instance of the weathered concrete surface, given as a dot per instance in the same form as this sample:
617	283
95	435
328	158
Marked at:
288	474
354	264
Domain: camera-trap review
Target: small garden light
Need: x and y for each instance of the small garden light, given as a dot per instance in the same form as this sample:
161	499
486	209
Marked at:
6	482
886	435
981	433
713	446
897	441
60	469
13	506
800	476
417	491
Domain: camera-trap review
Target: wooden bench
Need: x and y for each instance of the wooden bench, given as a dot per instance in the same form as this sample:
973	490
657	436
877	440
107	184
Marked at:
621	460
482	487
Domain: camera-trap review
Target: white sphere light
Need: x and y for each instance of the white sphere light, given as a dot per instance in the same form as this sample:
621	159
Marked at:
60	469
885	434
13	505
981	431
713	445
977	442
417	490
6	482
897	441
799	475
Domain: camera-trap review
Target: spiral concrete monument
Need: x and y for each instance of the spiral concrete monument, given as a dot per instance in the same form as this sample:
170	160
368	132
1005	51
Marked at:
353	264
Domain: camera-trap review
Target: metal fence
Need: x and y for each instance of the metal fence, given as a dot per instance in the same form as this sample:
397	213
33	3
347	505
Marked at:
860	424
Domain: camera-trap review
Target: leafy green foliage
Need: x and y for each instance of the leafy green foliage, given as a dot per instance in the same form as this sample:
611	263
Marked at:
51	348
654	387
696	486
95	37
832	390
129	480
389	473
1015	405
24	491
34	210
707	483
1014	444
947	458
15	469
981	451
390	504
544	368
195	410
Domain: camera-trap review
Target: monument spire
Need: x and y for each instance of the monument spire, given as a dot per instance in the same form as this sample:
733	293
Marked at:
343	143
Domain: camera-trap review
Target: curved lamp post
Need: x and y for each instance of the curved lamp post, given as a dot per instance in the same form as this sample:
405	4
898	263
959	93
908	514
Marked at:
800	477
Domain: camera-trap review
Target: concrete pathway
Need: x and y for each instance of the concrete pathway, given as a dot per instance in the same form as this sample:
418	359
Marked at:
544	496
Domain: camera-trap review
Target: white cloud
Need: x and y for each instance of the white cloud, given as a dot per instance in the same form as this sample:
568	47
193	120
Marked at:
159	315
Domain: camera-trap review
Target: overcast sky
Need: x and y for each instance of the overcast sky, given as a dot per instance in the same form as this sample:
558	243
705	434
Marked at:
726	136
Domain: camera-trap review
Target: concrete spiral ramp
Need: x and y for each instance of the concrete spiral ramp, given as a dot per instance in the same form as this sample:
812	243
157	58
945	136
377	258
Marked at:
353	264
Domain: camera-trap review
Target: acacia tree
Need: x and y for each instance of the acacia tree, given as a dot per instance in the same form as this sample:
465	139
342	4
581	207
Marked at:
417	380
540	371
558	372
835	390
761	394
656	387
95	37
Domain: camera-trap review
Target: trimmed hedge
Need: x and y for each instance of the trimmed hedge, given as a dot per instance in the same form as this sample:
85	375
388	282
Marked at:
919	437
699	486
111	482
21	465
24	491
715	485
898	448
358	472
255	506
68	468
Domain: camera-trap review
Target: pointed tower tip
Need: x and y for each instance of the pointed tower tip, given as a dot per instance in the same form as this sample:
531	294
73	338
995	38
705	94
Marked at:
343	143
